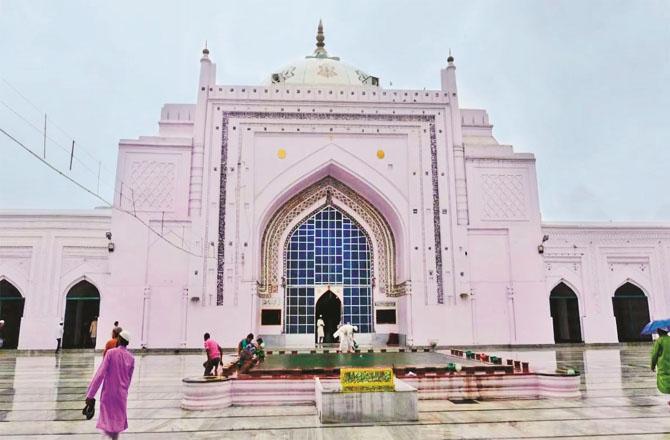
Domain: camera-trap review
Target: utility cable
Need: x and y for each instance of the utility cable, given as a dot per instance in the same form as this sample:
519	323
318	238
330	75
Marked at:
52	123
97	196
39	130
122	197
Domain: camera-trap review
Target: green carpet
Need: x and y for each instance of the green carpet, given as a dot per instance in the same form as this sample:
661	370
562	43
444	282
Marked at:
335	360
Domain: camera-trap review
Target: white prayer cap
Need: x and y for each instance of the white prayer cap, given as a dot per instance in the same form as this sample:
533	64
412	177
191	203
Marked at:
125	334
2	321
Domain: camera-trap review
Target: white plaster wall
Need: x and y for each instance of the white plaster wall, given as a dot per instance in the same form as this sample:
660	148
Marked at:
507	278
43	254
595	259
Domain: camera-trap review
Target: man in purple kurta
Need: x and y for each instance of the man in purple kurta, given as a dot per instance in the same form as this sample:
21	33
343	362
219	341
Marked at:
116	371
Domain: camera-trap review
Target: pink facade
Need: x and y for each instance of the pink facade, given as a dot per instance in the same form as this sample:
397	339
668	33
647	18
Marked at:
451	218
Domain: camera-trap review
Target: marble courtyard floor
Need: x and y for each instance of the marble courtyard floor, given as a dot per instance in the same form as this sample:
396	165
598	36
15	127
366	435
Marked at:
41	397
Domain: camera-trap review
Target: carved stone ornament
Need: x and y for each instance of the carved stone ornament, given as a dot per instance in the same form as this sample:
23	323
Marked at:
288	73
326	71
330	191
402	288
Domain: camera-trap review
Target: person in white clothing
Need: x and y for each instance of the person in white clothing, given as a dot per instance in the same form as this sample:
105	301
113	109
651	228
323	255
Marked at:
59	336
319	330
346	335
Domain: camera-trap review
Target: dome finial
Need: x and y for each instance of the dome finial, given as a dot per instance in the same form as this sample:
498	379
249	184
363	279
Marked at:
205	51
451	58
319	36
320	50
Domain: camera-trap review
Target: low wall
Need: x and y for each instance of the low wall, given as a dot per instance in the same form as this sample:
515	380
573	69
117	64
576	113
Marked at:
203	394
335	406
496	386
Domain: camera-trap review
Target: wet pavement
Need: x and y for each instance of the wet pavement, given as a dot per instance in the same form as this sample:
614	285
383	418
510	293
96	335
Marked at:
41	397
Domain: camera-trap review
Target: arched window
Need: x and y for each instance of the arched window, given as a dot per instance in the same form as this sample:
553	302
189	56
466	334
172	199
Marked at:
11	311
565	314
631	310
82	307
328	248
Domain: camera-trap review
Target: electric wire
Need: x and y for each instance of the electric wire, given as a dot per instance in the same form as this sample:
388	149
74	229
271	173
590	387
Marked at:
39	130
106	182
54	124
97	196
122	197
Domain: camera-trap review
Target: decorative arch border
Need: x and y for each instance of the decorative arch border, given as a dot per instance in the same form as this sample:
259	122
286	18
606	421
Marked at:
568	283
13	283
76	280
70	284
634	283
301	206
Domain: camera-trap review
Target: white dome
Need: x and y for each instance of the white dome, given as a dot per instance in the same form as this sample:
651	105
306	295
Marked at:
321	69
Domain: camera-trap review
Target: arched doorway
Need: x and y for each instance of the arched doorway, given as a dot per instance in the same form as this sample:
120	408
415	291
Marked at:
564	307
82	306
11	311
329	307
631	310
327	248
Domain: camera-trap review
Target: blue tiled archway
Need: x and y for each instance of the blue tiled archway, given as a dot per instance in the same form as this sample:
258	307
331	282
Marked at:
328	248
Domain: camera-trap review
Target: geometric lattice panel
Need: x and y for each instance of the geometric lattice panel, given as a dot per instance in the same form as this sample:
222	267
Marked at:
504	197
153	185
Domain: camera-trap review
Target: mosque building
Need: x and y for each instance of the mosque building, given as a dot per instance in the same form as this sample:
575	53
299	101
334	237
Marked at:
259	208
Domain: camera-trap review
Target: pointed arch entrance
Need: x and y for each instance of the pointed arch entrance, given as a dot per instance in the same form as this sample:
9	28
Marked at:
564	307
82	306
329	192
631	310
327	248
11	311
329	308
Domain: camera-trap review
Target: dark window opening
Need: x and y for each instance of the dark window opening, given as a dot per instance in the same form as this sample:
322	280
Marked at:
270	317
11	311
631	310
564	307
82	307
386	316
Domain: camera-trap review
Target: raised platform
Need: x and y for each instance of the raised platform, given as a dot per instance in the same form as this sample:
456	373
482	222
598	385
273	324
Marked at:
403	362
206	392
288	379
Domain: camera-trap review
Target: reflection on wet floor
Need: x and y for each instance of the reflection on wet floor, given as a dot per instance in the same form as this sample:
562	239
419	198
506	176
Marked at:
42	397
7	390
337	360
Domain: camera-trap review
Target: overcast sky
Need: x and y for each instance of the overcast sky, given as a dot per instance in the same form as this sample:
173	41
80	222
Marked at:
584	85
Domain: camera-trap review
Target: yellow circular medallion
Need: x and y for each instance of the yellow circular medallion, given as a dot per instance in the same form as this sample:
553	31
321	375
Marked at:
380	154
281	153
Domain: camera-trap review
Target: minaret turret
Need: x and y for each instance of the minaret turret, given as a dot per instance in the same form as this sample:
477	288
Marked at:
206	81
449	78
206	70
